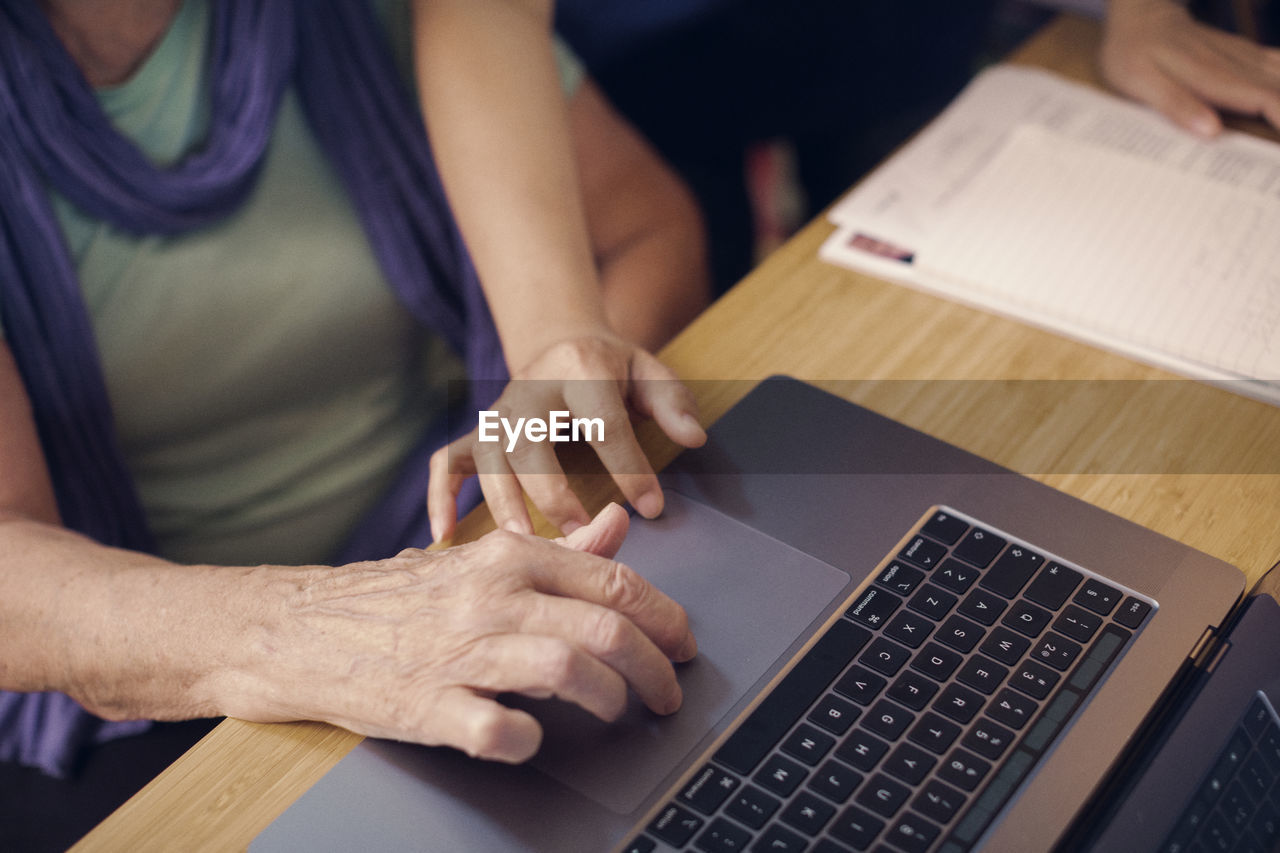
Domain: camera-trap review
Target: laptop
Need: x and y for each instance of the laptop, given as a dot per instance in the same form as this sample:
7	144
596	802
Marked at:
903	647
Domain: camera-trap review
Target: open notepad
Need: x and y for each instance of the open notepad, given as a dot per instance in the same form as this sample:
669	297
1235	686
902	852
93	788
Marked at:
1087	215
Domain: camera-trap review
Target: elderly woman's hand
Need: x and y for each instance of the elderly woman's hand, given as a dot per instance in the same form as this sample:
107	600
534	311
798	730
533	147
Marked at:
416	647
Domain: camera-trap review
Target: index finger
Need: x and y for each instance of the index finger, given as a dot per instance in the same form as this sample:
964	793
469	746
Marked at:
617	448
615	585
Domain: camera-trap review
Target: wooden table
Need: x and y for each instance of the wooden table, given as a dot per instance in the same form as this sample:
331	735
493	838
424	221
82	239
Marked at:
1142	454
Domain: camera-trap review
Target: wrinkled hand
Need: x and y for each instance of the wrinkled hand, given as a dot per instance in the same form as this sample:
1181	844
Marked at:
1155	52
416	647
601	376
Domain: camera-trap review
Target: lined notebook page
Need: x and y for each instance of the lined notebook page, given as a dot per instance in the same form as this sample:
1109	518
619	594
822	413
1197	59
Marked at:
1120	245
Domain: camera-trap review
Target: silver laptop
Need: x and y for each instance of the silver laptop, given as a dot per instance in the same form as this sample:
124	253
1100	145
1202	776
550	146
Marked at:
902	647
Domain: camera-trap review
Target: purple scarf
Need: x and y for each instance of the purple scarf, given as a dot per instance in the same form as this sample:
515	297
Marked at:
53	134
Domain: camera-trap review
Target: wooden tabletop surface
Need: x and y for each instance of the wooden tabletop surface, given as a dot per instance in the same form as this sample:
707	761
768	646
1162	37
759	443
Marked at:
1191	461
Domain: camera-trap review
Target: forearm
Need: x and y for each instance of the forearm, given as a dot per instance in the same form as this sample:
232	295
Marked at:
498	126
128	635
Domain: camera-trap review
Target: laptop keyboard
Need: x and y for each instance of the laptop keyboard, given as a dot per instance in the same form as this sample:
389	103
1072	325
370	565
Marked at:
1237	806
915	718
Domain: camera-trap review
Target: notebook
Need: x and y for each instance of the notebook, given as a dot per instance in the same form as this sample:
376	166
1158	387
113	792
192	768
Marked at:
902	647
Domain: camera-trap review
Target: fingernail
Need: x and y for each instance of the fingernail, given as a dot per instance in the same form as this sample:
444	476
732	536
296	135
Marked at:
688	649
569	526
676	700
1204	125
649	504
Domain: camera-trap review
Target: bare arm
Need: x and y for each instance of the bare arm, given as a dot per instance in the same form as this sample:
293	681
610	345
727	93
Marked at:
412	648
500	131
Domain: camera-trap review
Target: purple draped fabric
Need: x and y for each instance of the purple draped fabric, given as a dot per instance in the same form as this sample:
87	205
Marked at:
53	134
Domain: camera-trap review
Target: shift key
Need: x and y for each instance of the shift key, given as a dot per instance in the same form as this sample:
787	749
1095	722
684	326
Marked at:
1011	572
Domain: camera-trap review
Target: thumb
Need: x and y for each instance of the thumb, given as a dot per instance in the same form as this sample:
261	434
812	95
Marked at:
603	536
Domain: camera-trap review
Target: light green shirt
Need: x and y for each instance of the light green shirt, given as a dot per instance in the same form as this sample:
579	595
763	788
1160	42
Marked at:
265	381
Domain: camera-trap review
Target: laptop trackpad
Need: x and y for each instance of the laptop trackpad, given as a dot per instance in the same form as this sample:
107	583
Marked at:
748	596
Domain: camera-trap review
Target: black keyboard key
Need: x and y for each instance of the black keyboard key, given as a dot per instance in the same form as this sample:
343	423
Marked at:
675	825
909	628
1034	680
913	834
933	602
909	763
982	606
1237	806
959	703
1256	719
808	813
808	744
779	839
1098	597
938	802
860	685
806	681
955	575
1132	612
1011	708
979	547
1269	747
873	607
723	837
885	656
1057	651
882	795
1012	571
913	690
934	733
835	781
900	578
1053	586
826	845
936	662
945	527
834	714
963	769
988	739
752	807
862	750
1216	834
888	720
780	775
982	674
1005	646
1077	623
922	552
856	827
1266	826
1027	619
711	787
1256	777
960	634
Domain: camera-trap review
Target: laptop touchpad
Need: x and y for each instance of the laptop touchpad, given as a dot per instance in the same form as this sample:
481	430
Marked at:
749	598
